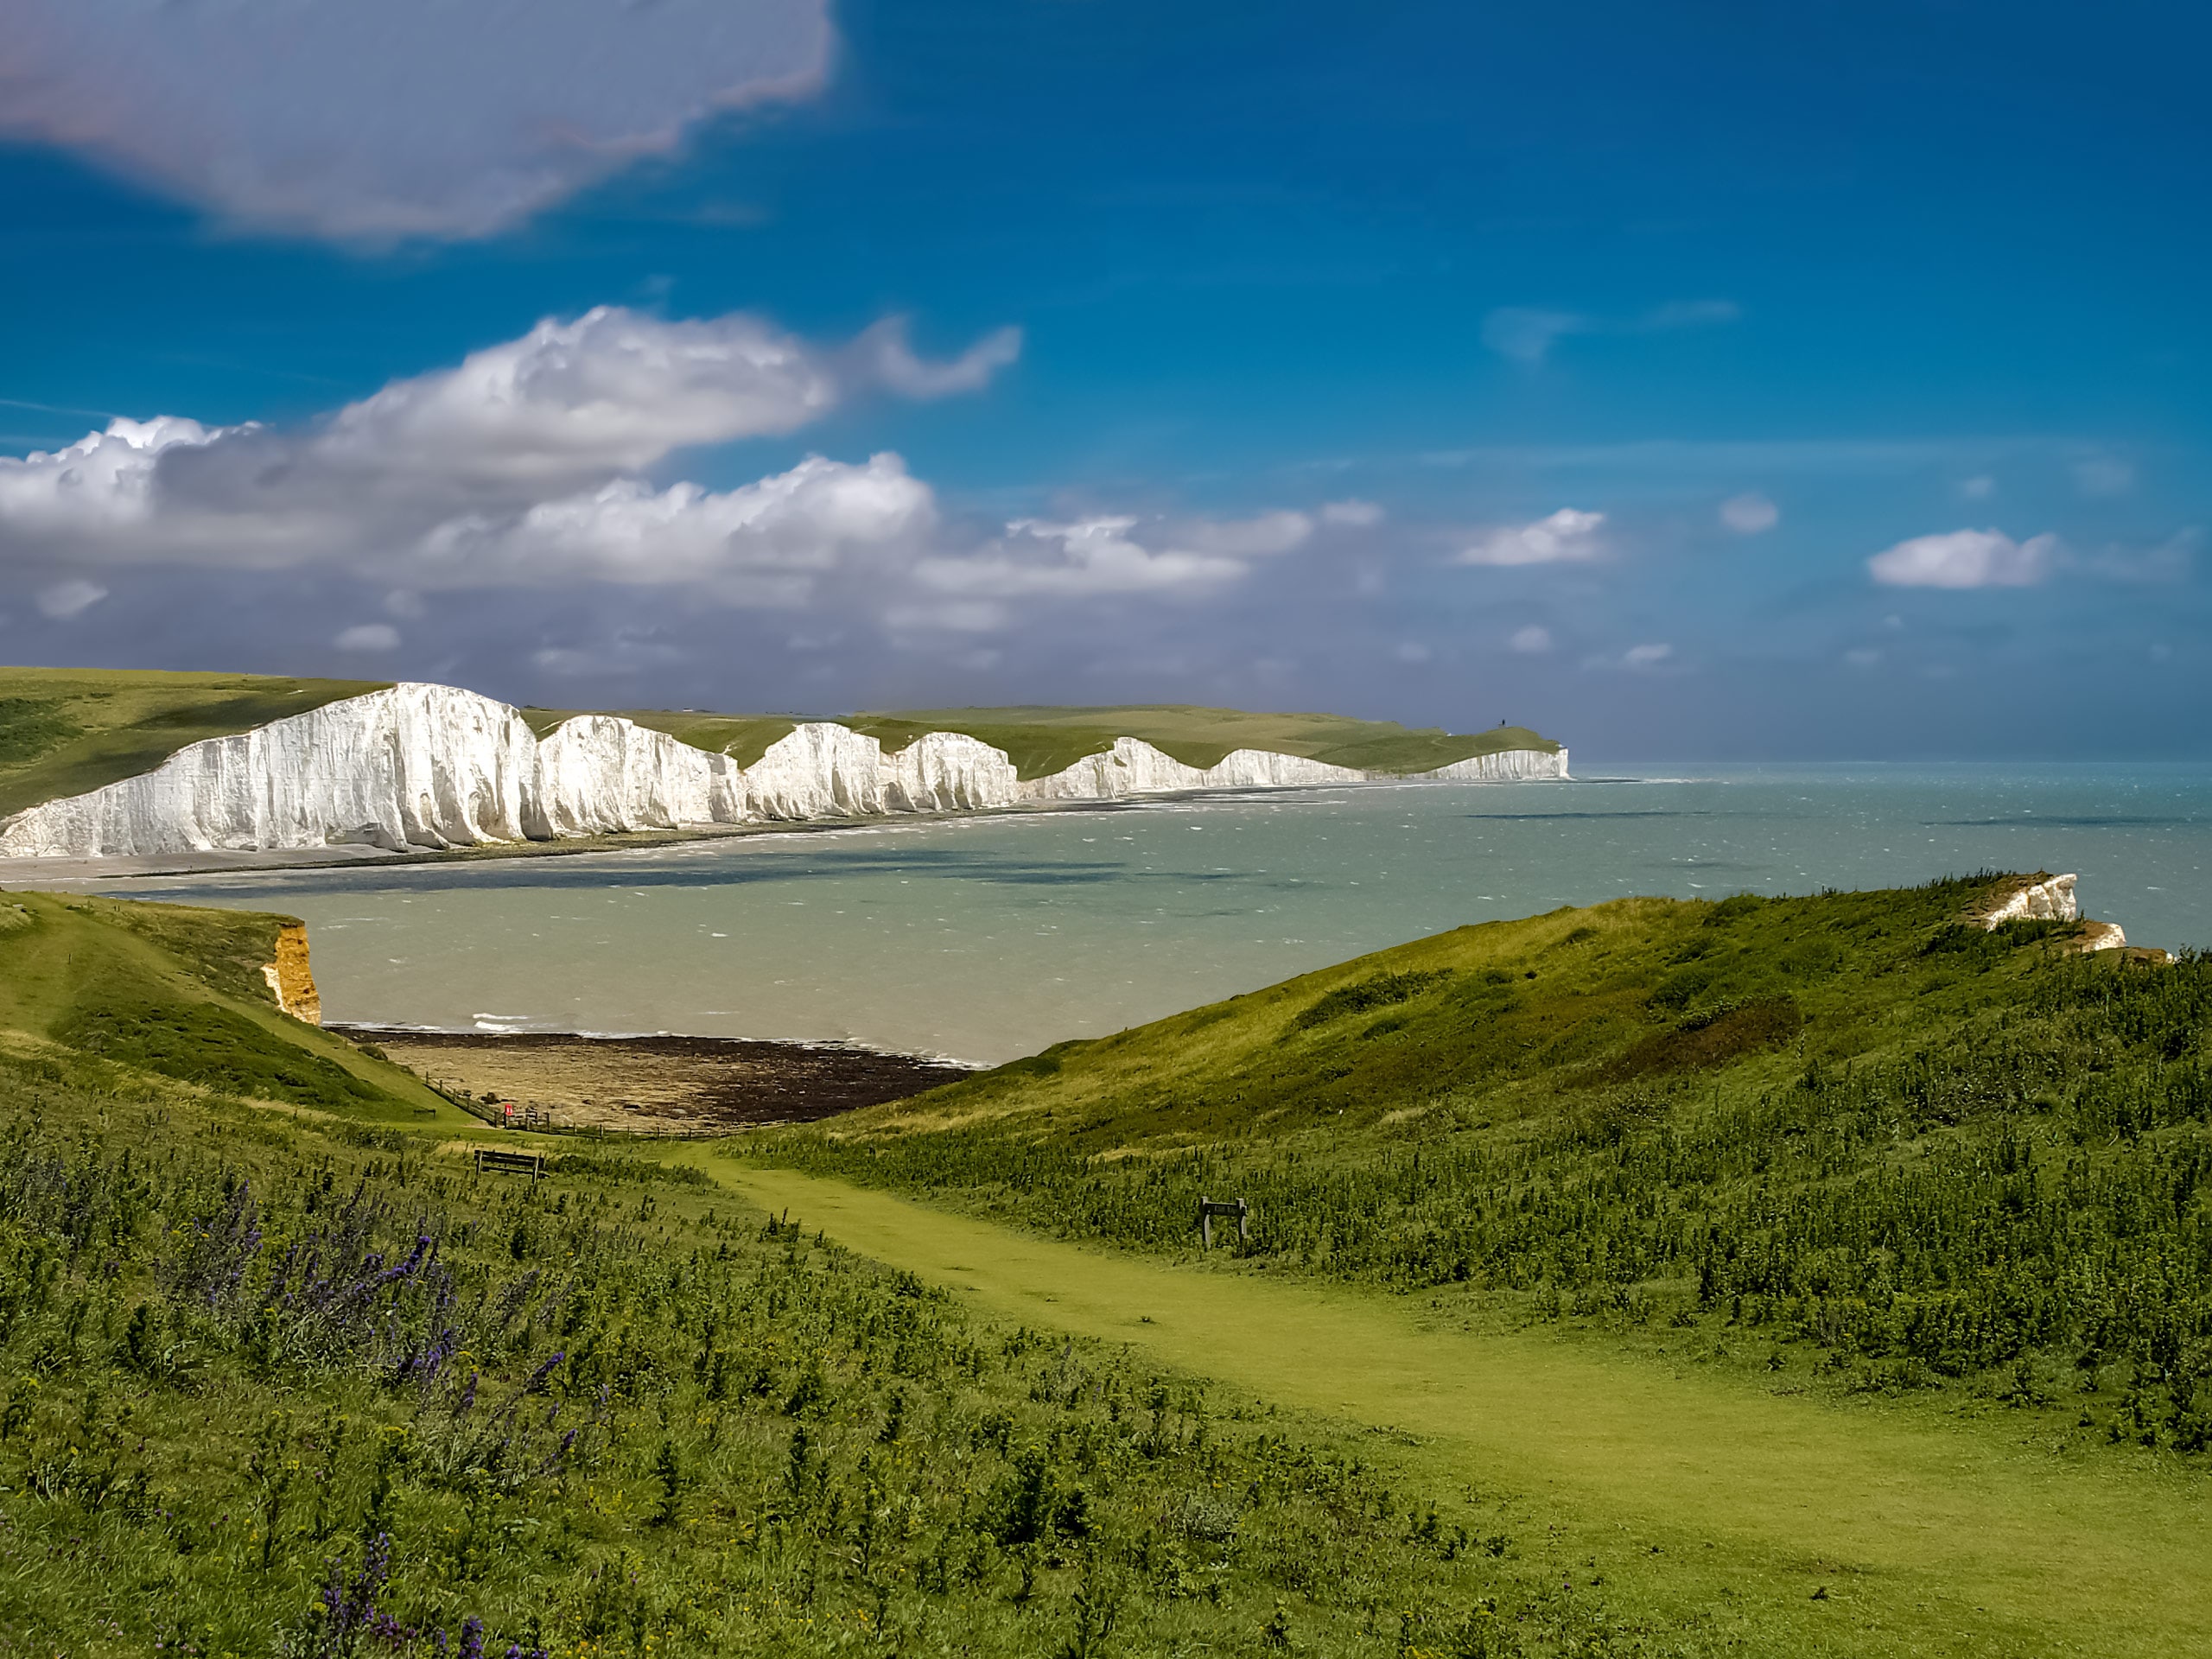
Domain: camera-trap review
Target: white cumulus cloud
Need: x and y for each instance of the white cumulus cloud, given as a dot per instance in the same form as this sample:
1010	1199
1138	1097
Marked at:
1087	557
1964	559
1647	656
401	118
612	388
768	542
1531	641
569	409
1565	536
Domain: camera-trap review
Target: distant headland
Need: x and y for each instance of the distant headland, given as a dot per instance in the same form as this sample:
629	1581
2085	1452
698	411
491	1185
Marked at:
112	766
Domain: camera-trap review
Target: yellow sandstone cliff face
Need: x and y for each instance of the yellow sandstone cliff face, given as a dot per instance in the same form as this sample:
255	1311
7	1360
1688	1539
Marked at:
290	981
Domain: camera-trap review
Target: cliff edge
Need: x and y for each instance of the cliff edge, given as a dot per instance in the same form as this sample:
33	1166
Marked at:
421	767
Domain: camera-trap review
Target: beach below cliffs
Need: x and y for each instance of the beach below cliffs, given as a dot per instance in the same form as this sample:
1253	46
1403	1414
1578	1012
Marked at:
658	1086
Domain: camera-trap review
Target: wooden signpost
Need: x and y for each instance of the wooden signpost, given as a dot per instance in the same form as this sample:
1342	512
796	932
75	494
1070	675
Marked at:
1209	1208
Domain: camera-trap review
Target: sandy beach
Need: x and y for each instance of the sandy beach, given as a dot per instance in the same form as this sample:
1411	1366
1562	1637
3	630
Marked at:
655	1085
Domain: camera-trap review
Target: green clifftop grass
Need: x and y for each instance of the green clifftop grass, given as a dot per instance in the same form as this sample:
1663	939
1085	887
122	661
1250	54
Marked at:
109	988
64	731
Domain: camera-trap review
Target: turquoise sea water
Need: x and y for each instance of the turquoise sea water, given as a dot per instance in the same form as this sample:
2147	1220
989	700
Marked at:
989	938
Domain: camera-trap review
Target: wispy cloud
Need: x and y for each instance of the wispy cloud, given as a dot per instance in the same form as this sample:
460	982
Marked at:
1527	334
61	600
1564	536
1750	514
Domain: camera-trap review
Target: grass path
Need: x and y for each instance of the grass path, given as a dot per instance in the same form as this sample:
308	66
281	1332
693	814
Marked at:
1691	1494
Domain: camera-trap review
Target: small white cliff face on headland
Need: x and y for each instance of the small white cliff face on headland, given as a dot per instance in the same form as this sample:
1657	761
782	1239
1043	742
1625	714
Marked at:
435	766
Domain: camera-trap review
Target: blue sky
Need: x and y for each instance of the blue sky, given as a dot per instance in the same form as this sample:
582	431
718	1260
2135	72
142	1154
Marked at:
1699	380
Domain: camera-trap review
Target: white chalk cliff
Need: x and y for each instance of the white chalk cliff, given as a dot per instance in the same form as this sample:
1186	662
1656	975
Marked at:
2053	900
435	766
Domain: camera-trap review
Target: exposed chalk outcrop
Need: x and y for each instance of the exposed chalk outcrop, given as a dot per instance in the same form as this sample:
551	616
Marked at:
2052	900
2049	900
435	766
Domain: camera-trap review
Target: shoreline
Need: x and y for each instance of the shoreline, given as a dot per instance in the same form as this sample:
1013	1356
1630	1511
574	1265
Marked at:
659	1084
36	872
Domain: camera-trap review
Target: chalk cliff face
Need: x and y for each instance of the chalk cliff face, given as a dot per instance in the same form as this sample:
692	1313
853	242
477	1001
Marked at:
418	766
2053	900
599	775
1507	767
435	766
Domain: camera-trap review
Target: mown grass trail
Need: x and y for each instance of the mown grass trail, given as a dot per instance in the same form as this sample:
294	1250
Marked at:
1692	1495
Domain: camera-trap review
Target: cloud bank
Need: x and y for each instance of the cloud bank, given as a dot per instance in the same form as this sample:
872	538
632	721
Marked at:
529	468
404	118
519	464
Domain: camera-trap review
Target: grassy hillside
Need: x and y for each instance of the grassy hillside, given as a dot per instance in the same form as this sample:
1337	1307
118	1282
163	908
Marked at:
107	988
1930	1156
281	1375
67	730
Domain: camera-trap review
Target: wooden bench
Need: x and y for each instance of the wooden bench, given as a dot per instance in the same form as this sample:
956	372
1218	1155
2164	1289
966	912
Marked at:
531	1163
1209	1208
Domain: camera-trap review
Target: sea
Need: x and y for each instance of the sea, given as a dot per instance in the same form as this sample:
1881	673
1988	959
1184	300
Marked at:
982	939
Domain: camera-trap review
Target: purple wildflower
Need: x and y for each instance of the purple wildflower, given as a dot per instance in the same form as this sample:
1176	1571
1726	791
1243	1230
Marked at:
538	1377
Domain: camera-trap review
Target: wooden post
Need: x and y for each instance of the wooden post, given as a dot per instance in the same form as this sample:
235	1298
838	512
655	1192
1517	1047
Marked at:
1209	1208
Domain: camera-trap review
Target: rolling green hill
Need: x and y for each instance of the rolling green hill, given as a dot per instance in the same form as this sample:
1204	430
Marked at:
1908	1214
64	731
1940	1157
281	1373
121	991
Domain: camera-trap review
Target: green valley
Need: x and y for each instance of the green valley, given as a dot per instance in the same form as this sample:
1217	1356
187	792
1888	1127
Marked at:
1819	1275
